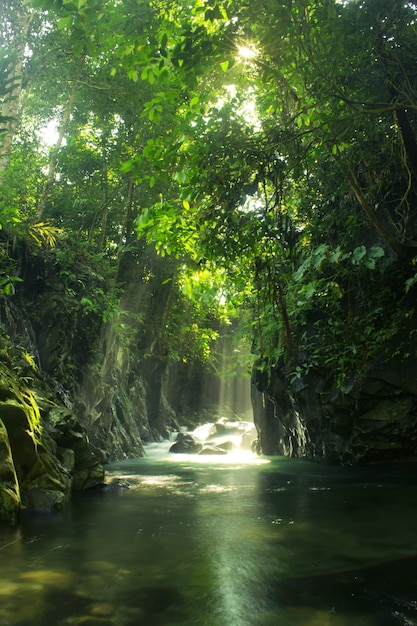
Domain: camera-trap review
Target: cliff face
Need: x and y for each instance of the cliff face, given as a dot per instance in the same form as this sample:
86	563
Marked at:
372	420
121	397
74	390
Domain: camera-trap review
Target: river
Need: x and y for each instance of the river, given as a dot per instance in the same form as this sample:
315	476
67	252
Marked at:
232	540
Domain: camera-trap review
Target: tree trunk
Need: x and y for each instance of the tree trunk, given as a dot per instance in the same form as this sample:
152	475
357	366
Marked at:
409	140
11	104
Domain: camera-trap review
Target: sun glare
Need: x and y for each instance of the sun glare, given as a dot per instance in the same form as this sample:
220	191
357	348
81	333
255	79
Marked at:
247	52
49	133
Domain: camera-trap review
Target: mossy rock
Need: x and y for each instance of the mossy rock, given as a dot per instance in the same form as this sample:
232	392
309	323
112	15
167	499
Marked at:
37	499
44	453
88	478
67	457
9	486
64	427
387	411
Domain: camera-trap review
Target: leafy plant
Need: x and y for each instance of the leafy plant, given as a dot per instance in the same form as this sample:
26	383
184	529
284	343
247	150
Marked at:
45	233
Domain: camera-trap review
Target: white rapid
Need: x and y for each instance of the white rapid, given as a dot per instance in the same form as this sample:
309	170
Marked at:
227	440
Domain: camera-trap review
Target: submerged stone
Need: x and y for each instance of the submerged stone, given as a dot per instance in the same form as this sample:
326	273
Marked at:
56	579
102	609
92	620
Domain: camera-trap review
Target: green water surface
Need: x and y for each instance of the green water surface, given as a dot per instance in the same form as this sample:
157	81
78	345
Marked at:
220	541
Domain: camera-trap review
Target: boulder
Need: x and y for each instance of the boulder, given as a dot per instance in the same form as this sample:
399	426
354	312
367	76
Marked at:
248	439
186	444
44	451
223	426
213	450
9	486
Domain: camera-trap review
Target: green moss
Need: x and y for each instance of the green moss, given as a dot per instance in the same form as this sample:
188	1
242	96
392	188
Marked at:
9	486
19	395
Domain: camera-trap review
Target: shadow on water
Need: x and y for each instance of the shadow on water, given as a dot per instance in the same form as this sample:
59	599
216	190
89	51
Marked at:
383	594
352	544
220	541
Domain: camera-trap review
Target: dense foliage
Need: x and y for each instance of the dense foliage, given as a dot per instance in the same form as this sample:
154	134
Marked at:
255	159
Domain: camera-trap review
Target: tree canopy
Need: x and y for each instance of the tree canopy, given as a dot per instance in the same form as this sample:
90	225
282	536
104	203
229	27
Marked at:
260	159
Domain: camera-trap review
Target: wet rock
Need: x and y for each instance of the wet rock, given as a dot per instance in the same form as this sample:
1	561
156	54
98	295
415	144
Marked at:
223	425
13	611
228	446
372	419
117	484
74	449
67	457
33	451
186	444
9	486
44	499
248	439
63	426
213	450
88	478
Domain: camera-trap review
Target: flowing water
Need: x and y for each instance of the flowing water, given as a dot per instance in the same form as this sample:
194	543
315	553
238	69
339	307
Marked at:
232	540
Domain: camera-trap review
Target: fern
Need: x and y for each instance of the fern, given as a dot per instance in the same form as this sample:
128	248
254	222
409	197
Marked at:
45	233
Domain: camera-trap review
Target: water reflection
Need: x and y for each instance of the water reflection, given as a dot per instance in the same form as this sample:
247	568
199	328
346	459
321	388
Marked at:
217	541
238	558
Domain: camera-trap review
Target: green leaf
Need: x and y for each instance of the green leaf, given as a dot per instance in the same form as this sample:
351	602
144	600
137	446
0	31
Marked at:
358	254
133	75
410	283
65	22
336	255
127	166
376	252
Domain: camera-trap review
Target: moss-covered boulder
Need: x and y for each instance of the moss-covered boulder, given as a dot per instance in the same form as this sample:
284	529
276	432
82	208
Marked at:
44	451
9	486
44	482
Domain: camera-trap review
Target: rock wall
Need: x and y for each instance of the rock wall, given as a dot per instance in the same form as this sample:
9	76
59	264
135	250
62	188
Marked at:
120	406
372	420
104	377
122	393
75	392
